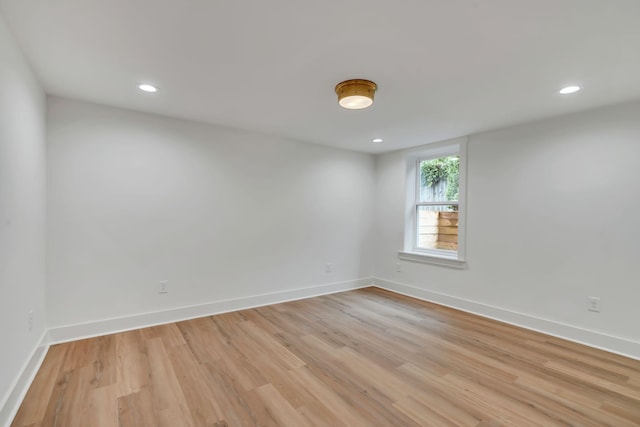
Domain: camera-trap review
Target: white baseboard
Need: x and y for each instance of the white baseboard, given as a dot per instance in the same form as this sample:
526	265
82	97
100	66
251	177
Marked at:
60	334
9	406
109	326
622	346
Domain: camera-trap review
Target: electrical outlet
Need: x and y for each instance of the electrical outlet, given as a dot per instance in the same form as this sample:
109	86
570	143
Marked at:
398	267
30	320
594	304
328	268
163	287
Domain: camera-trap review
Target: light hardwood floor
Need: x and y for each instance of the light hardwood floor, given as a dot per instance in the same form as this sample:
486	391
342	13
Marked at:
358	358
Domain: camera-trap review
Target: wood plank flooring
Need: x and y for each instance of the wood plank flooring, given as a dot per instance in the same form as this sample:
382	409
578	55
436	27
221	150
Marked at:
359	358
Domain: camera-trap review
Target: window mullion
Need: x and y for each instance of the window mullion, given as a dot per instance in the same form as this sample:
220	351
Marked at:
442	203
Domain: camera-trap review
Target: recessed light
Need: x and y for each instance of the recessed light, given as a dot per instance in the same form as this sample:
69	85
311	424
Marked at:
569	89
377	140
147	88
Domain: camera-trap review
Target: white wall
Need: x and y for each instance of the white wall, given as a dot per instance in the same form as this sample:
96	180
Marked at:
221	214
135	198
552	219
22	216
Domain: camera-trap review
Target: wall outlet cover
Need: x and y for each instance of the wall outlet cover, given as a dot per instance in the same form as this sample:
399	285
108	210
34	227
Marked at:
163	287
594	304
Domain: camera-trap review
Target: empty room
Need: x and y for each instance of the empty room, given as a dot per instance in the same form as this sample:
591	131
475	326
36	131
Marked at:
330	213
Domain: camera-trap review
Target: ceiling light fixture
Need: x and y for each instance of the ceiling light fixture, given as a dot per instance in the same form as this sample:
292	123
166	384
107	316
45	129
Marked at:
147	88
377	140
569	89
355	94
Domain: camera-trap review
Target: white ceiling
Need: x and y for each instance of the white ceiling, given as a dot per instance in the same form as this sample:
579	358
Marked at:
444	68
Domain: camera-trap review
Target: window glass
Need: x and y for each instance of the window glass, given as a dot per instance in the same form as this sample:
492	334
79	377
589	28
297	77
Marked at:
437	227
439	179
436	222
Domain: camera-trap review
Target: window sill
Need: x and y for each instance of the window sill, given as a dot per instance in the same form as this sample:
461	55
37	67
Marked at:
432	259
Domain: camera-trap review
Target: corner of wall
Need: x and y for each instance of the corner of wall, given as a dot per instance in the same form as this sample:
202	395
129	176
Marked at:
18	390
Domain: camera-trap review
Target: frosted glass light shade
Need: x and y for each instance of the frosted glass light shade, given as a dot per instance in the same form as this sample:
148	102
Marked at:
356	94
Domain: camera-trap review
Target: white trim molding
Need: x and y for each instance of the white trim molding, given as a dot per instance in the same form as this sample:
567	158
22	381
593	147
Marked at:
618	345
14	397
11	402
452	147
425	258
109	326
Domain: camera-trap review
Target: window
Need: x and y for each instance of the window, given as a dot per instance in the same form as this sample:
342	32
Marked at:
434	225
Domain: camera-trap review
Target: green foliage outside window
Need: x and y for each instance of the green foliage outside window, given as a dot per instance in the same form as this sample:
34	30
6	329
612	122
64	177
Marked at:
445	168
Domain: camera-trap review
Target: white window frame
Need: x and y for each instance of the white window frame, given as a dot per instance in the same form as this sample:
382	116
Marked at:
449	258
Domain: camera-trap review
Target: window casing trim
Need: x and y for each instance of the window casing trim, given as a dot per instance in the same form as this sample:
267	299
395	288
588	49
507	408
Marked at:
410	252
